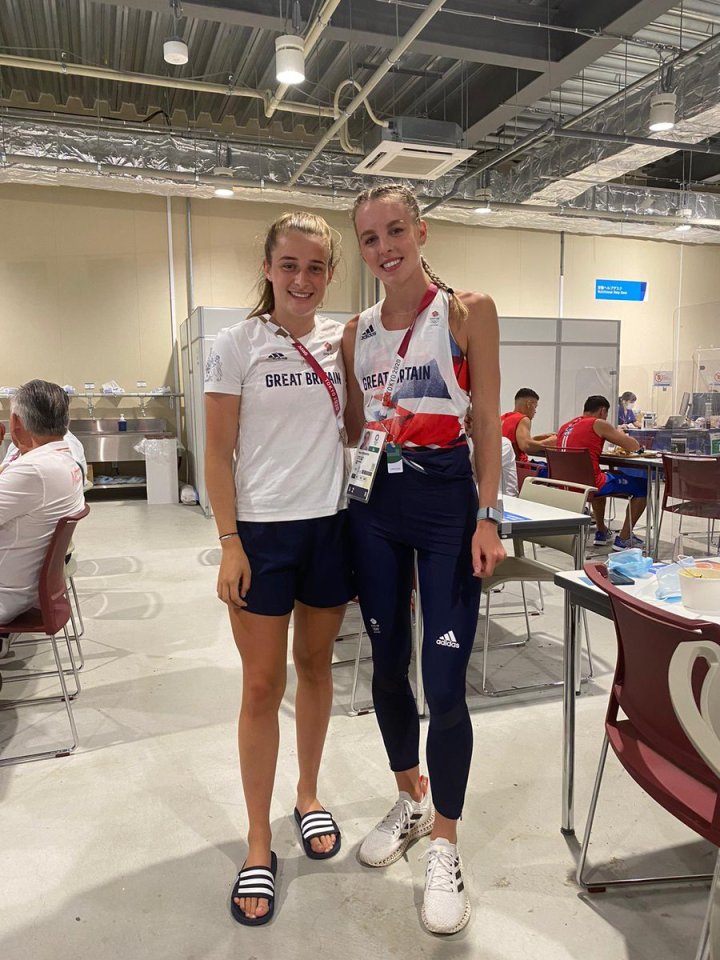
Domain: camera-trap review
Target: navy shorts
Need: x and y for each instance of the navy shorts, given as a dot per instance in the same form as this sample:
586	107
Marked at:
305	560
625	483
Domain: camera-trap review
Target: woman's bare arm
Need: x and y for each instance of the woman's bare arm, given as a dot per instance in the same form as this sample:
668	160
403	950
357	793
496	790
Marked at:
222	412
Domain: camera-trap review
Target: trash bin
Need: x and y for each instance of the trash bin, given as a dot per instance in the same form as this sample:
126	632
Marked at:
161	469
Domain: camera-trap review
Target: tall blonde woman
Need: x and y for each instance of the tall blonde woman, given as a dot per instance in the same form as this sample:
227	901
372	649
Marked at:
274	393
411	361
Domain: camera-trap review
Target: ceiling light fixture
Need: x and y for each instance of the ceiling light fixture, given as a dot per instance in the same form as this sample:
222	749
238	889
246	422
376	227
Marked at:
290	52
225	186
175	50
662	112
484	207
290	59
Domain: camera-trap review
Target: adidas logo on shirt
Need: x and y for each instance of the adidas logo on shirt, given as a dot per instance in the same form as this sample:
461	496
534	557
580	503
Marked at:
370	332
277	356
448	640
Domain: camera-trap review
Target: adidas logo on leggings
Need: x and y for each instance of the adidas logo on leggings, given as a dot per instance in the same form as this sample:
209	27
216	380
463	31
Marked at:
448	640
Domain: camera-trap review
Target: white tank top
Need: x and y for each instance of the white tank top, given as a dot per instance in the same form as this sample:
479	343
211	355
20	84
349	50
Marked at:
431	396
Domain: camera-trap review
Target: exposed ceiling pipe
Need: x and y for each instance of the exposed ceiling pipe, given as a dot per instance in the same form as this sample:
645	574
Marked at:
344	139
321	21
542	132
150	80
390	60
630	140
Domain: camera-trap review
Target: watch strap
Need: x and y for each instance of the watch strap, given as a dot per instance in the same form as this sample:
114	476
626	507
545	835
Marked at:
490	513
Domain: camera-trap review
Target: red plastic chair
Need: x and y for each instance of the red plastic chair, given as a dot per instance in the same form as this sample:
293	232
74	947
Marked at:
524	469
648	740
49	619
695	483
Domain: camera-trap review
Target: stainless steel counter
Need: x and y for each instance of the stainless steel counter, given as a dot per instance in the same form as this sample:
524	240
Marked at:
103	442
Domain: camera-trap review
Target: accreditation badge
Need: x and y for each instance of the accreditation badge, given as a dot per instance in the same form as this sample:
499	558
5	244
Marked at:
365	464
393	454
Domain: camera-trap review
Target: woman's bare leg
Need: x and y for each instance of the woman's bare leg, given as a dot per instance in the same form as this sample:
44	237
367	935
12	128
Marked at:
314	633
262	643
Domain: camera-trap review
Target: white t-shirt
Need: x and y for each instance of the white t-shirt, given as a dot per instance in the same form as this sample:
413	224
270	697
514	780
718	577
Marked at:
508	478
36	491
76	449
289	457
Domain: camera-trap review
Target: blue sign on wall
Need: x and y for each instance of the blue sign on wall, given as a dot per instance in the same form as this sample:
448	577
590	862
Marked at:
635	290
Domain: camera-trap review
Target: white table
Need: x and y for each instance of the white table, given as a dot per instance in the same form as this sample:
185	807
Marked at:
653	467
580	592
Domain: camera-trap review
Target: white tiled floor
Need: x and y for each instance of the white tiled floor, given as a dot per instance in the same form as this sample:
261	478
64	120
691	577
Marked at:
128	848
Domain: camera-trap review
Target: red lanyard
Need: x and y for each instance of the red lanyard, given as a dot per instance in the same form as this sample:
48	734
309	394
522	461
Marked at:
394	373
316	367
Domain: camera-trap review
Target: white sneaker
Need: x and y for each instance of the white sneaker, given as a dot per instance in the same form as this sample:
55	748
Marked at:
446	907
405	822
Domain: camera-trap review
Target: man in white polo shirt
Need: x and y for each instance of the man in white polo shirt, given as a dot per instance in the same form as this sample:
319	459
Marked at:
36	490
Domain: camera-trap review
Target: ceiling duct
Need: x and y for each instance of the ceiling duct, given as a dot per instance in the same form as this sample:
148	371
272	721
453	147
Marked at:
415	149
128	159
563	169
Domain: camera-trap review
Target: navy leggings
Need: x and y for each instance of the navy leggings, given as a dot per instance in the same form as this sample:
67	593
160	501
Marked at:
431	513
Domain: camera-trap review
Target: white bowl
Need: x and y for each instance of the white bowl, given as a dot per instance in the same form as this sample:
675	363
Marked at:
700	588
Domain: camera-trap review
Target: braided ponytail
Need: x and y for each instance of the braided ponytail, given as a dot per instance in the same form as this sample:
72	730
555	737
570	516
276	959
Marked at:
457	309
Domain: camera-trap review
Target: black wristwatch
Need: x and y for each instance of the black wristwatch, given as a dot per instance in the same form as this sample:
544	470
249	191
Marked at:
490	513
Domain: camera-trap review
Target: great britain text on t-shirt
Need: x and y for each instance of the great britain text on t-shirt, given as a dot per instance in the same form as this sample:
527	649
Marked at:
375	380
307	379
289	463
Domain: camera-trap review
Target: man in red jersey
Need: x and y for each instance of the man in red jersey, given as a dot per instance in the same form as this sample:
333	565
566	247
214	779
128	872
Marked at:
589	432
516	426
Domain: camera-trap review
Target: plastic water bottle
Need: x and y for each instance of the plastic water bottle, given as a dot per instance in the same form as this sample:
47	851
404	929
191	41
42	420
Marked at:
122	424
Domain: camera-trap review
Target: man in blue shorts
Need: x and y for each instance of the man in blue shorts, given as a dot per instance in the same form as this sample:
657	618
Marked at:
589	432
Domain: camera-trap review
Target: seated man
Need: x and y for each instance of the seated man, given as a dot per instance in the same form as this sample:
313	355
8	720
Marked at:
589	432
516	426
36	490
76	449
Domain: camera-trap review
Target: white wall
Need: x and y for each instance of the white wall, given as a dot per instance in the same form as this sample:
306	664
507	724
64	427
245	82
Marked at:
85	294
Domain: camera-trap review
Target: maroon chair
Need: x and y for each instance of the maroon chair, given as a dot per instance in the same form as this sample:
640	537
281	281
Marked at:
572	465
524	469
49	618
576	465
648	739
694	482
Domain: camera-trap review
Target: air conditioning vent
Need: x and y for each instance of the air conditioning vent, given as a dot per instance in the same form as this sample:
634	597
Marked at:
416	161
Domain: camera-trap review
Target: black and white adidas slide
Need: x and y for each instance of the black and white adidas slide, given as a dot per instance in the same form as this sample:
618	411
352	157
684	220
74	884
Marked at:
255	882
317	823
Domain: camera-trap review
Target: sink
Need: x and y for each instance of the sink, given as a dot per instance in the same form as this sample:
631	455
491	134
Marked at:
109	425
104	443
